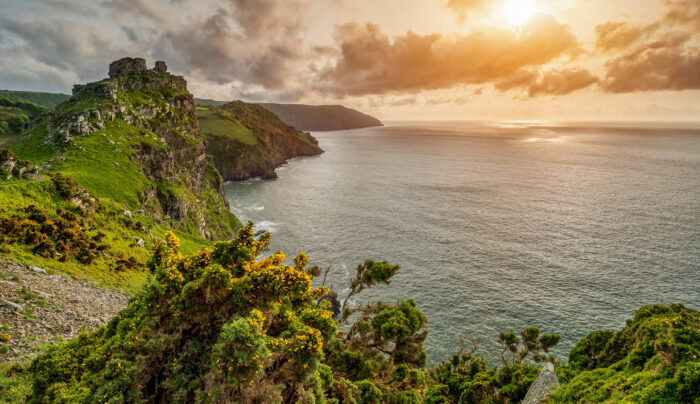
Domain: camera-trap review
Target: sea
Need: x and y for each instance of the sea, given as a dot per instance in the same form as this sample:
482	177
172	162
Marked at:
497	226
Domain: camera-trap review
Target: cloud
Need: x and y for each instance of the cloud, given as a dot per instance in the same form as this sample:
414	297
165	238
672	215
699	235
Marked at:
463	7
663	56
683	12
553	82
620	35
373	63
654	69
255	44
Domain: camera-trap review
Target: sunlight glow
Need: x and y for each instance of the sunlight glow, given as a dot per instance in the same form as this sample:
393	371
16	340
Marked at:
518	12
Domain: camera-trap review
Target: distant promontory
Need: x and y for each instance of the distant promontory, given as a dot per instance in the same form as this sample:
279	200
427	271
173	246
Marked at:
314	117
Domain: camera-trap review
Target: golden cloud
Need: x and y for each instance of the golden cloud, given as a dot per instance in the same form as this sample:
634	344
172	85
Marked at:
370	62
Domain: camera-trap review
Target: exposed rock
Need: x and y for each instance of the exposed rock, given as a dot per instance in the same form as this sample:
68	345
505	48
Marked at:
141	243
160	67
128	214
38	270
12	306
169	118
68	306
275	142
543	385
127	67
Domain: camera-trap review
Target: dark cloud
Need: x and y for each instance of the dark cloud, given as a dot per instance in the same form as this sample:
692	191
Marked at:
654	69
254	42
554	82
373	63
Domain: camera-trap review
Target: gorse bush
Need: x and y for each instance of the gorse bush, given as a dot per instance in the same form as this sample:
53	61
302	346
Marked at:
654	359
62	235
224	325
209	327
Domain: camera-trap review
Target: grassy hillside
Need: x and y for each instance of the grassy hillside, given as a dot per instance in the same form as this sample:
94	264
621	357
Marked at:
19	107
132	148
311	117
247	140
14	114
322	117
47	100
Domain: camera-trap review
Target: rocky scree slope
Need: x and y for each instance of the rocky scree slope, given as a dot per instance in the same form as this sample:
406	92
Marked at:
38	308
247	140
134	139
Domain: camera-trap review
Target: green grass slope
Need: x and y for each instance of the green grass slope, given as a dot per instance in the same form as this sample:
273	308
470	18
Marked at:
14	114
131	143
47	100
247	140
322	117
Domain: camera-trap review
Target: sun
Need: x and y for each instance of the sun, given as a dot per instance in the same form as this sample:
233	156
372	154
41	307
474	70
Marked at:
518	12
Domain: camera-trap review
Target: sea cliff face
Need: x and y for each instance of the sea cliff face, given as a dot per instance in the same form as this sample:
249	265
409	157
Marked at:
247	140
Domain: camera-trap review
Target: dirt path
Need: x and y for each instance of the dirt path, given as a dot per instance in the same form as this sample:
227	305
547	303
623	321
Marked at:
35	178
53	307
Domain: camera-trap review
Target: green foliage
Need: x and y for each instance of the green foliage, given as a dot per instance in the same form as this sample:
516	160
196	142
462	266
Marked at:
216	324
532	342
15	382
47	100
15	113
654	359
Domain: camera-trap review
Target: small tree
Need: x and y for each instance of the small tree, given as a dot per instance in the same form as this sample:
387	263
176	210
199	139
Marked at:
532	342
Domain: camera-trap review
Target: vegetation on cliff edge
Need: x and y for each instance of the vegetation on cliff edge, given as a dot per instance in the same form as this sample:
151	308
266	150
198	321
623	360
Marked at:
224	325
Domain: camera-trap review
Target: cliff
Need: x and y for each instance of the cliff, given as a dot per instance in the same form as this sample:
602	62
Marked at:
246	140
322	117
312	117
134	139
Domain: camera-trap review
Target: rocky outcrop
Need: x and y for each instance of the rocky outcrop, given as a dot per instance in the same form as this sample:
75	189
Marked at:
127	67
155	103
11	166
546	382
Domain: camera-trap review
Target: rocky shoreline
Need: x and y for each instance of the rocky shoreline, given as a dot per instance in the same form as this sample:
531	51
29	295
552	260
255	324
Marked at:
38	308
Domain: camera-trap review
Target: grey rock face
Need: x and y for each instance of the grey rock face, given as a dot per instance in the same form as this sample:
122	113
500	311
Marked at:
127	67
540	388
160	67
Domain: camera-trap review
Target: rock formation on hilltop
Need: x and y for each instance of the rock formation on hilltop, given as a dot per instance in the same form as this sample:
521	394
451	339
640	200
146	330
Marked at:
134	138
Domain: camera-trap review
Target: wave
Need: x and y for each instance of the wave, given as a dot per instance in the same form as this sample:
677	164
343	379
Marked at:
267	226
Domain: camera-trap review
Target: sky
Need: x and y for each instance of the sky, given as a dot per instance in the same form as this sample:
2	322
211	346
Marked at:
395	59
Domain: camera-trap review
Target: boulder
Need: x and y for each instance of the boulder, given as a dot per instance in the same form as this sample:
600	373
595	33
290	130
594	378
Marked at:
38	270
12	306
127	67
128	214
160	67
540	388
141	243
